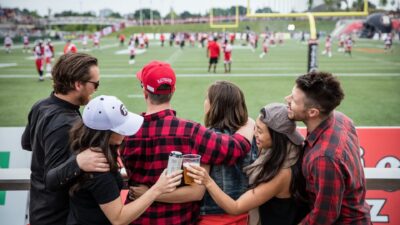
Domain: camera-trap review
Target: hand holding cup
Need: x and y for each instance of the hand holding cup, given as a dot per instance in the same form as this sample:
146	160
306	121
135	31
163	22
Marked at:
199	175
189	160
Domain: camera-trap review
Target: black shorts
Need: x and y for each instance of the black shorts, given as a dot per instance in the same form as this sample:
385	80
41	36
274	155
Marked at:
213	60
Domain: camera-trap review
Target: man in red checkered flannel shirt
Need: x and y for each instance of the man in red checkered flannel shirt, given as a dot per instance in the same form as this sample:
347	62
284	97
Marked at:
145	155
332	166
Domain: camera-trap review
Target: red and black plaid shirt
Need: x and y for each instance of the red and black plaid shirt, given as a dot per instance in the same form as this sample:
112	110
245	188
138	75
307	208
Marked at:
146	156
334	174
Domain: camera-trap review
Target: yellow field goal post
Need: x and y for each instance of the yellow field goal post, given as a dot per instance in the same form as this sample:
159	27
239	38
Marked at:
288	8
222	25
309	15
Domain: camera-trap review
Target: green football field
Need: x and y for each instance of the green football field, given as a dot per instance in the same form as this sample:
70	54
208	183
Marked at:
370	78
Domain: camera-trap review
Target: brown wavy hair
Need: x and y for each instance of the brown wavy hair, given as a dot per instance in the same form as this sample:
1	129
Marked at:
322	90
228	110
70	68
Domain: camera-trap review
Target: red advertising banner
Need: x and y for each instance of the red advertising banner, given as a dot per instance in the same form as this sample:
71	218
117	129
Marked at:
380	148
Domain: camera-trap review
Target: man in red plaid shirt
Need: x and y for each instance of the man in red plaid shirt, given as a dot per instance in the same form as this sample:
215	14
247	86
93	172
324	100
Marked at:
332	167
146	153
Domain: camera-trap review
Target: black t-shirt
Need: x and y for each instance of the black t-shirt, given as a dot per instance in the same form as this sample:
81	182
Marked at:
99	189
46	135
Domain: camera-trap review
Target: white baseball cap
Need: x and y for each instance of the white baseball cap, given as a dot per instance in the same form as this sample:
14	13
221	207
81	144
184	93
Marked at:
109	113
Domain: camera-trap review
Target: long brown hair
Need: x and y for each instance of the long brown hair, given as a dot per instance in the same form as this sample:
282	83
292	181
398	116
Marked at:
83	137
228	109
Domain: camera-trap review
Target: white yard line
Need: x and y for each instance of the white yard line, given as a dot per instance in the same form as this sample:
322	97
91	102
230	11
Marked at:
112	76
7	64
136	96
104	47
91	48
81	50
379	60
127	51
199	70
172	58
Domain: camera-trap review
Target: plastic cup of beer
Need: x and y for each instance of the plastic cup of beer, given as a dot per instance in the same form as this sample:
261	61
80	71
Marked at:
189	159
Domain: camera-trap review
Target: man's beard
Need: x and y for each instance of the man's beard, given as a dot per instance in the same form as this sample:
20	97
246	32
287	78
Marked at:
83	100
300	116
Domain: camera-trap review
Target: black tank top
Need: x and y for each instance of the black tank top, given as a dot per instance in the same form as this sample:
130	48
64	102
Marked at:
282	211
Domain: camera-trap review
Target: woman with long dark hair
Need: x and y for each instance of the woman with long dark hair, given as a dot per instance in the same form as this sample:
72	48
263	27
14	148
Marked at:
225	112
276	184
95	197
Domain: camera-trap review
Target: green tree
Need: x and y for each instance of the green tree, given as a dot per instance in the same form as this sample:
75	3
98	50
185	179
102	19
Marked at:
115	15
310	4
66	13
33	13
359	5
242	10
174	15
72	13
185	15
330	4
90	14
264	10
146	14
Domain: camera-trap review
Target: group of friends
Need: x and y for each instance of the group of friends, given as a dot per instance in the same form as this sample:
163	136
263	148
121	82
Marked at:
252	171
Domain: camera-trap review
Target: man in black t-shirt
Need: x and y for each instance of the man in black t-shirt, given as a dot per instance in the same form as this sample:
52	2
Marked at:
75	78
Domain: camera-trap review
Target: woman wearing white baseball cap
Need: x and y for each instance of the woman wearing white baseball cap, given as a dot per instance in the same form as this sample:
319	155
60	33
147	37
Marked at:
95	197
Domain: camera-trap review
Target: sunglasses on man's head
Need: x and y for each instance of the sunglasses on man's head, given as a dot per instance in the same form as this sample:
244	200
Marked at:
95	84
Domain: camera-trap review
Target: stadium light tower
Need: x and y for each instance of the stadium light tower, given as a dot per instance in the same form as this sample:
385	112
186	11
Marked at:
151	13
141	16
171	13
48	18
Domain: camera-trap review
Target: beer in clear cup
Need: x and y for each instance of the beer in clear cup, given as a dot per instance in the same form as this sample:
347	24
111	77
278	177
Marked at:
189	159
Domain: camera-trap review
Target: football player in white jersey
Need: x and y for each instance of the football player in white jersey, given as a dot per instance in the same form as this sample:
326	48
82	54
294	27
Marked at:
8	42
38	52
388	42
48	55
265	47
96	40
328	46
227	49
84	42
141	41
342	40
132	51
25	40
348	46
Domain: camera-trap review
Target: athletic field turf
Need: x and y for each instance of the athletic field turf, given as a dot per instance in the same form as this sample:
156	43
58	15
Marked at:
370	78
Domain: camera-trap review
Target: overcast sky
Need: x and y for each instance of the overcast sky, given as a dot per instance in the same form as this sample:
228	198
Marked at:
163	6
